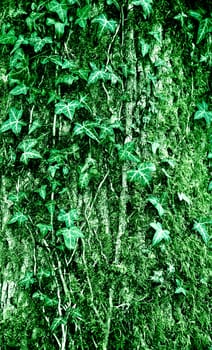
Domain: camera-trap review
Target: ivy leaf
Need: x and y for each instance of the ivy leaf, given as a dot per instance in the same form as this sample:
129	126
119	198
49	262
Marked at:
44	229
84	180
146	5
143	174
180	289
59	8
96	74
205	27
69	218
203	112
160	234
57	322
28	152
19	90
68	109
125	152
42	191
8	38
18	217
59	27
66	79
83	14
182	197
35	125
70	236
21	40
105	25
27	280
201	228
26	145
144	47
86	128
13	123
38	43
50	207
196	14
155	201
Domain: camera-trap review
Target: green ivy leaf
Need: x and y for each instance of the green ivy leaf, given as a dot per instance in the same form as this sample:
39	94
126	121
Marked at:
13	123
8	38
84	180
155	201
59	27
21	40
18	217
70	236
105	25
42	191
210	186
203	112
96	74
146	5
59	8
180	289
35	125
44	229
67	108
67	79
125	152
205	27
160	234
143	174
83	14
69	218
38	43
86	128
28	152
27	280
201	228
51	207
19	90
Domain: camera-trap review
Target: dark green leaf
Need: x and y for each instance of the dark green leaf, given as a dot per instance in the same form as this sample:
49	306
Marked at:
19	90
83	14
70	236
8	38
205	27
69	218
44	229
105	25
126	152
57	322
204	113
146	5
86	128
27	280
18	217
59	8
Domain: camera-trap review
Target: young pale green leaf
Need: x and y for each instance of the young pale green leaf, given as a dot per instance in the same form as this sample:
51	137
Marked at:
67	108
8	38
182	197
105	25
210	186
146	5
143	174
18	217
180	289
70	236
205	27
204	113
155	201
27	280
19	90
83	14
13	123
17	197
196	14
86	128
44	229
69	218
60	9
201	228
160	233
126	152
